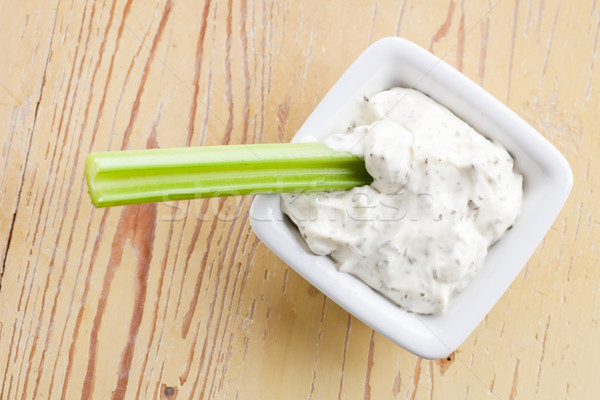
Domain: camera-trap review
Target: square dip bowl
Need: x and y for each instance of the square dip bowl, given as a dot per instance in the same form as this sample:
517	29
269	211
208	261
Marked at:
547	181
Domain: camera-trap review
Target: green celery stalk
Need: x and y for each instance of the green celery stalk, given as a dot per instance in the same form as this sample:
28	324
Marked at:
147	176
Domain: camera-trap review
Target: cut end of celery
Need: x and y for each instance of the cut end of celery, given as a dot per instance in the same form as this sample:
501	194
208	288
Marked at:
91	171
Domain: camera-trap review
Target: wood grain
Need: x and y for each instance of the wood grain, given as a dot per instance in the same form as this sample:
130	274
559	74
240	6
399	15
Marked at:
181	300
28	32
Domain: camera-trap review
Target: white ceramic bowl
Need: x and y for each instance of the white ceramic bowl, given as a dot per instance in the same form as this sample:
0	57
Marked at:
547	182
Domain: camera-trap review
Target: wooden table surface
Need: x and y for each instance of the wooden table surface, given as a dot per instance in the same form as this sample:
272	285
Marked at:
181	300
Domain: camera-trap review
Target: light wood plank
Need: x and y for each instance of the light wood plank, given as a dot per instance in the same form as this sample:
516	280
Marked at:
27	32
181	300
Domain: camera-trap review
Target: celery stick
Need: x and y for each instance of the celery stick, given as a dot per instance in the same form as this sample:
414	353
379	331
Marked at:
146	176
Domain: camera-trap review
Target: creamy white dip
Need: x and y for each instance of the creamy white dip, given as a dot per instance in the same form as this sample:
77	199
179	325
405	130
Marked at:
442	194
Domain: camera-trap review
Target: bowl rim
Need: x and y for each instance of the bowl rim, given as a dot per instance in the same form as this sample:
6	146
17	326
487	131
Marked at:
427	336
